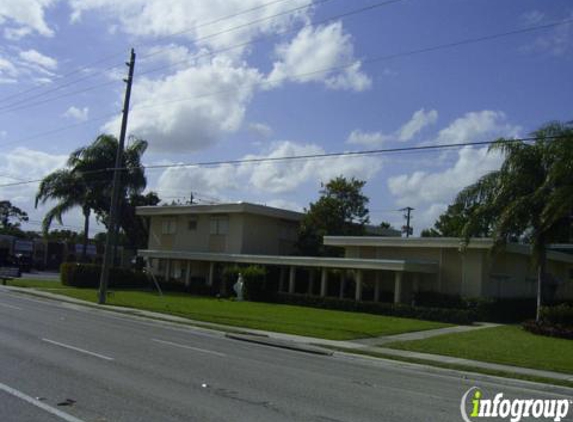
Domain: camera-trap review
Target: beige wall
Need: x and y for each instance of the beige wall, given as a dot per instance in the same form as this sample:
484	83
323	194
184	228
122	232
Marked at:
247	234
473	273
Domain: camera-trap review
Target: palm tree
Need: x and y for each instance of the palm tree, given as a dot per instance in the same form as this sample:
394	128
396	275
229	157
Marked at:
70	190
87	180
529	197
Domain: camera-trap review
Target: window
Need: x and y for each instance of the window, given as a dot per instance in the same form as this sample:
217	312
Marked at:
192	224
219	225
168	226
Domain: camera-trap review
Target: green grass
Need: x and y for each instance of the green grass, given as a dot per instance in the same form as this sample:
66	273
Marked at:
321	323
508	345
457	367
28	282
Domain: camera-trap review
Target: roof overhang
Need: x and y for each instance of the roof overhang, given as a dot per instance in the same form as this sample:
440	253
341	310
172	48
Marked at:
415	266
407	242
231	208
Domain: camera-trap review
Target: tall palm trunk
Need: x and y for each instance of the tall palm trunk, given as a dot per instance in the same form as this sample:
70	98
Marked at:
86	212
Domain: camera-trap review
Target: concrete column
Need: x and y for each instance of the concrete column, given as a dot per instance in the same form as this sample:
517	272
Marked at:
416	282
310	281
167	269
211	273
358	280
342	285
282	280
323	281
398	276
291	279
377	287
188	273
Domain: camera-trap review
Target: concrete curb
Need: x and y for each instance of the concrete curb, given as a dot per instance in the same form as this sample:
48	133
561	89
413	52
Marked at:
282	344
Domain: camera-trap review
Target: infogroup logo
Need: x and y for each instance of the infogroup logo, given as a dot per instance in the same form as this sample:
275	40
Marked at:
513	409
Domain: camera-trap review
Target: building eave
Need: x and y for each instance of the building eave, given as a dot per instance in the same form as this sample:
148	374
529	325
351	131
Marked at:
416	266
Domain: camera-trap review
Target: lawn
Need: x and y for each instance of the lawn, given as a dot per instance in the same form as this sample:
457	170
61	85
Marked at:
510	345
321	323
28	282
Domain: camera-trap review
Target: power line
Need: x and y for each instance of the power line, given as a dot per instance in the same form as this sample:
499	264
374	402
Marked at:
287	31
305	157
23	104
366	61
86	67
60	129
394	56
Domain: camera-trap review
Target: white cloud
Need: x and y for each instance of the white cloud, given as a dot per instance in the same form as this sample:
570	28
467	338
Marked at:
367	138
430	193
477	126
315	49
557	41
197	19
260	129
34	57
419	120
286	176
268	177
79	114
8	72
198	105
22	17
26	164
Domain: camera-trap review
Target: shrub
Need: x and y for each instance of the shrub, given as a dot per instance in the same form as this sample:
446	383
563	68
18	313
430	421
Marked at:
545	329
557	315
506	310
438	300
88	275
254	287
454	316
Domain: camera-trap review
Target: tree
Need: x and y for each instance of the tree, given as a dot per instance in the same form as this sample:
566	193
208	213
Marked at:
451	223
340	211
87	180
11	218
70	189
100	155
529	197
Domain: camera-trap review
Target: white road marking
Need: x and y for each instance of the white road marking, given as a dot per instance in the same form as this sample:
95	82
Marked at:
197	349
10	306
77	349
65	416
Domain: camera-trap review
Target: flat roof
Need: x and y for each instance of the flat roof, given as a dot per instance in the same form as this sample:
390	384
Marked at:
407	265
437	242
228	208
407	242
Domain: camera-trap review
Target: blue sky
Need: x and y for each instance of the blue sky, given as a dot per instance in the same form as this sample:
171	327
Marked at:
256	92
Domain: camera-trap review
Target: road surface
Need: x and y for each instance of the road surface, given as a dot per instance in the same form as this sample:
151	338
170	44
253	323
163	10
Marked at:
64	362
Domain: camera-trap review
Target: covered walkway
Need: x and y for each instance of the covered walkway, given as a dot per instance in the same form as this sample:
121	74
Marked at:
382	274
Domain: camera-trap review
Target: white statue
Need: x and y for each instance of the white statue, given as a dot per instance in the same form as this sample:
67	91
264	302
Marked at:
238	287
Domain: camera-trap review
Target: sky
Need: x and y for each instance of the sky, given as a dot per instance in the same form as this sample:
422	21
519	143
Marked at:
220	80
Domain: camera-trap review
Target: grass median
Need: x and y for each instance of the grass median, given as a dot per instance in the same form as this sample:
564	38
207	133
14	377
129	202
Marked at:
320	323
508	345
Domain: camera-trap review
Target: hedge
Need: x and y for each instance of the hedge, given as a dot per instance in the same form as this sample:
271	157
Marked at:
507	310
88	275
557	315
453	316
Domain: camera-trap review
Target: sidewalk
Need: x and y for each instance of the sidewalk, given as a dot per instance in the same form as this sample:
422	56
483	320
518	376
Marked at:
290	341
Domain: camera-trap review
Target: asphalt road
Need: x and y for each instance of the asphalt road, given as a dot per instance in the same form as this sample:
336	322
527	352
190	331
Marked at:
63	362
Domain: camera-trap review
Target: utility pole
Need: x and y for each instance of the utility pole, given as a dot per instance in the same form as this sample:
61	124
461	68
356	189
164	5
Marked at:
115	189
407	229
